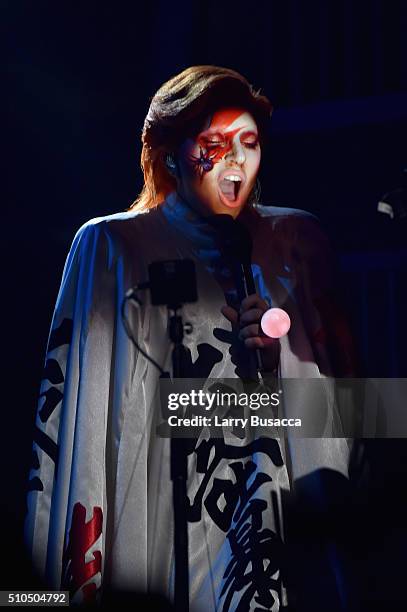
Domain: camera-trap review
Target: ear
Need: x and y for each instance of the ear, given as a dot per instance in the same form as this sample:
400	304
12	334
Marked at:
171	164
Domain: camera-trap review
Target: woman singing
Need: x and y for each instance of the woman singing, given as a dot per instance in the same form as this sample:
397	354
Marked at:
100	499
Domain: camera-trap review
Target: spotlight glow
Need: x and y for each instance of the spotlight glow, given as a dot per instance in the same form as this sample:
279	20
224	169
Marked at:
275	323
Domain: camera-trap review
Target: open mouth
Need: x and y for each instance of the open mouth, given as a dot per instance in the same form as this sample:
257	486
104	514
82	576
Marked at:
230	186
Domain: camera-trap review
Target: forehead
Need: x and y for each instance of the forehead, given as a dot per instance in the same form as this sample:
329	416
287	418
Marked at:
227	119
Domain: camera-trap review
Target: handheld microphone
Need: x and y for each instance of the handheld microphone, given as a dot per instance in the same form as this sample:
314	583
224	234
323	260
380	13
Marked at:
236	244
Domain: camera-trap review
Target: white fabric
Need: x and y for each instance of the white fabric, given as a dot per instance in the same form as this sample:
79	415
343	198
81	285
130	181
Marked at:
108	455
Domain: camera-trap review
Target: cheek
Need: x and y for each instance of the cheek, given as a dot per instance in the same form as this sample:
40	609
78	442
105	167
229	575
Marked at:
253	164
186	155
258	160
189	160
199	164
187	168
205	184
196	182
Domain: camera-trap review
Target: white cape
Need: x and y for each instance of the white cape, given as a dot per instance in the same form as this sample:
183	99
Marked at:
100	499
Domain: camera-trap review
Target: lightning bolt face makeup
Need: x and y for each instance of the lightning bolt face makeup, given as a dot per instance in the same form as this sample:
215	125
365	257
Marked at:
219	166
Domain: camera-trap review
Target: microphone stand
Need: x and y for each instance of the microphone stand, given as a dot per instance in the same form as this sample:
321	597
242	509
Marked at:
173	283
181	362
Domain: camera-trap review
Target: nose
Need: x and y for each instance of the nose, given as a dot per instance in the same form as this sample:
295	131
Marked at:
237	153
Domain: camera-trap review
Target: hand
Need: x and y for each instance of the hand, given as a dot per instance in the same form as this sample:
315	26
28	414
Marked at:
248	322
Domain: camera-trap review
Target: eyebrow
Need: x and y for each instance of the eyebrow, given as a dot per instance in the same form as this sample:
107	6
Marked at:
250	133
220	132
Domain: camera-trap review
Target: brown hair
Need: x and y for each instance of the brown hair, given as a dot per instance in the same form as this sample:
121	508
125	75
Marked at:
177	111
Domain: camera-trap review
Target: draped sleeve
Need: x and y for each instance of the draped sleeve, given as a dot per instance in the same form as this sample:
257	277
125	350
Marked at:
88	379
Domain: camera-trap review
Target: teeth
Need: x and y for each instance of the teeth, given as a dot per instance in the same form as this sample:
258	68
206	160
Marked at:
233	177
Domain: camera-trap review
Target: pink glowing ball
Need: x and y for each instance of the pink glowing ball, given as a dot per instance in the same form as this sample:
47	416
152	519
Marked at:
275	323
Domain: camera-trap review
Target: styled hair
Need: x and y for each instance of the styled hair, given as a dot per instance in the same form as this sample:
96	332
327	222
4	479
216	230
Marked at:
177	112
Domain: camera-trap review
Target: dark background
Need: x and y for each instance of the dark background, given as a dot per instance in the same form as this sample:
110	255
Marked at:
79	77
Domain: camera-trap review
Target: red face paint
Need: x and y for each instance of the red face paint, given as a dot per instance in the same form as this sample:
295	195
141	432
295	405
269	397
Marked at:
216	142
225	117
218	167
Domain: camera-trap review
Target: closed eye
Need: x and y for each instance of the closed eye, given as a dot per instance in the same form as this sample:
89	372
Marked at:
249	139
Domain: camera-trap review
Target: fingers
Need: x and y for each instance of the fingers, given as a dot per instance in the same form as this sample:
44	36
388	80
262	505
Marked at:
251	311
253	301
251	316
249	331
261	342
231	314
248	320
254	338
